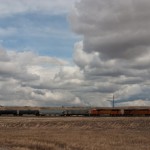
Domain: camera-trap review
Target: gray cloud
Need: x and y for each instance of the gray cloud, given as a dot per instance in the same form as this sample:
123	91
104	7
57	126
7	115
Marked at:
29	79
115	28
113	58
115	50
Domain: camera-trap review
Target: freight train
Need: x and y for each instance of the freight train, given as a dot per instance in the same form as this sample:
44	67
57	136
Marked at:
97	112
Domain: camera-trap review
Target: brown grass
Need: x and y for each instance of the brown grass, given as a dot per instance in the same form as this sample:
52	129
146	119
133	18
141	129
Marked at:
74	133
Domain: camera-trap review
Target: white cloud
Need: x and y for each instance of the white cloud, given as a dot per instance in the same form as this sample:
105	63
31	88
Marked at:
113	57
23	73
9	7
29	79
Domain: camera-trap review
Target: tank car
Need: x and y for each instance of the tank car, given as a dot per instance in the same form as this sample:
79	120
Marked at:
8	112
76	112
28	112
51	113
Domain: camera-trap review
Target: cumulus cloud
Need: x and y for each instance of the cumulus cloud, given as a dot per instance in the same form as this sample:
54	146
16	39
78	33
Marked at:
112	59
115	29
115	49
29	79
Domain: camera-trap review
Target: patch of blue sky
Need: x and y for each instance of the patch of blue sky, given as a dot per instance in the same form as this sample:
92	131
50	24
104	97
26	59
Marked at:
43	46
140	96
42	33
35	19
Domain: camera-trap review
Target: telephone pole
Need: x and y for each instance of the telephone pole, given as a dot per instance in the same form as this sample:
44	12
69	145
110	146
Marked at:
113	102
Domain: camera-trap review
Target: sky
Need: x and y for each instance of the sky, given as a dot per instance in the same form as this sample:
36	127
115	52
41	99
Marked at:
58	53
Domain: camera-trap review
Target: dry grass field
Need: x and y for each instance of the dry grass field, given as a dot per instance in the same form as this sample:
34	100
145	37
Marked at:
74	133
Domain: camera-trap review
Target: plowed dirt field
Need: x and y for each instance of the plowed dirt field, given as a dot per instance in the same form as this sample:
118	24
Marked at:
74	133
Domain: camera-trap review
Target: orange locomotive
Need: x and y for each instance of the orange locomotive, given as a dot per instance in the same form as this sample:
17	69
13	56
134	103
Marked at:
136	112
105	112
119	112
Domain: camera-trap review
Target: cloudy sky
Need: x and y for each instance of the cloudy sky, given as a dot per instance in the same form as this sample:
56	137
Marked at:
74	52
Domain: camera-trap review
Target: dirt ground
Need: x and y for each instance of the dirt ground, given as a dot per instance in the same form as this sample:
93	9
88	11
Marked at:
74	133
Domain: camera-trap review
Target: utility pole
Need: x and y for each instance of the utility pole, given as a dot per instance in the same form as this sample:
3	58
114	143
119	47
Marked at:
113	102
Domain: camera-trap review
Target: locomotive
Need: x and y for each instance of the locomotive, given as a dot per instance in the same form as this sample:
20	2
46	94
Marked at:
120	112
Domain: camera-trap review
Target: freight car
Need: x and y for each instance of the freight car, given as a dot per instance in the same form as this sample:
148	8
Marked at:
51	113
19	112
106	112
28	112
71	112
9	112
